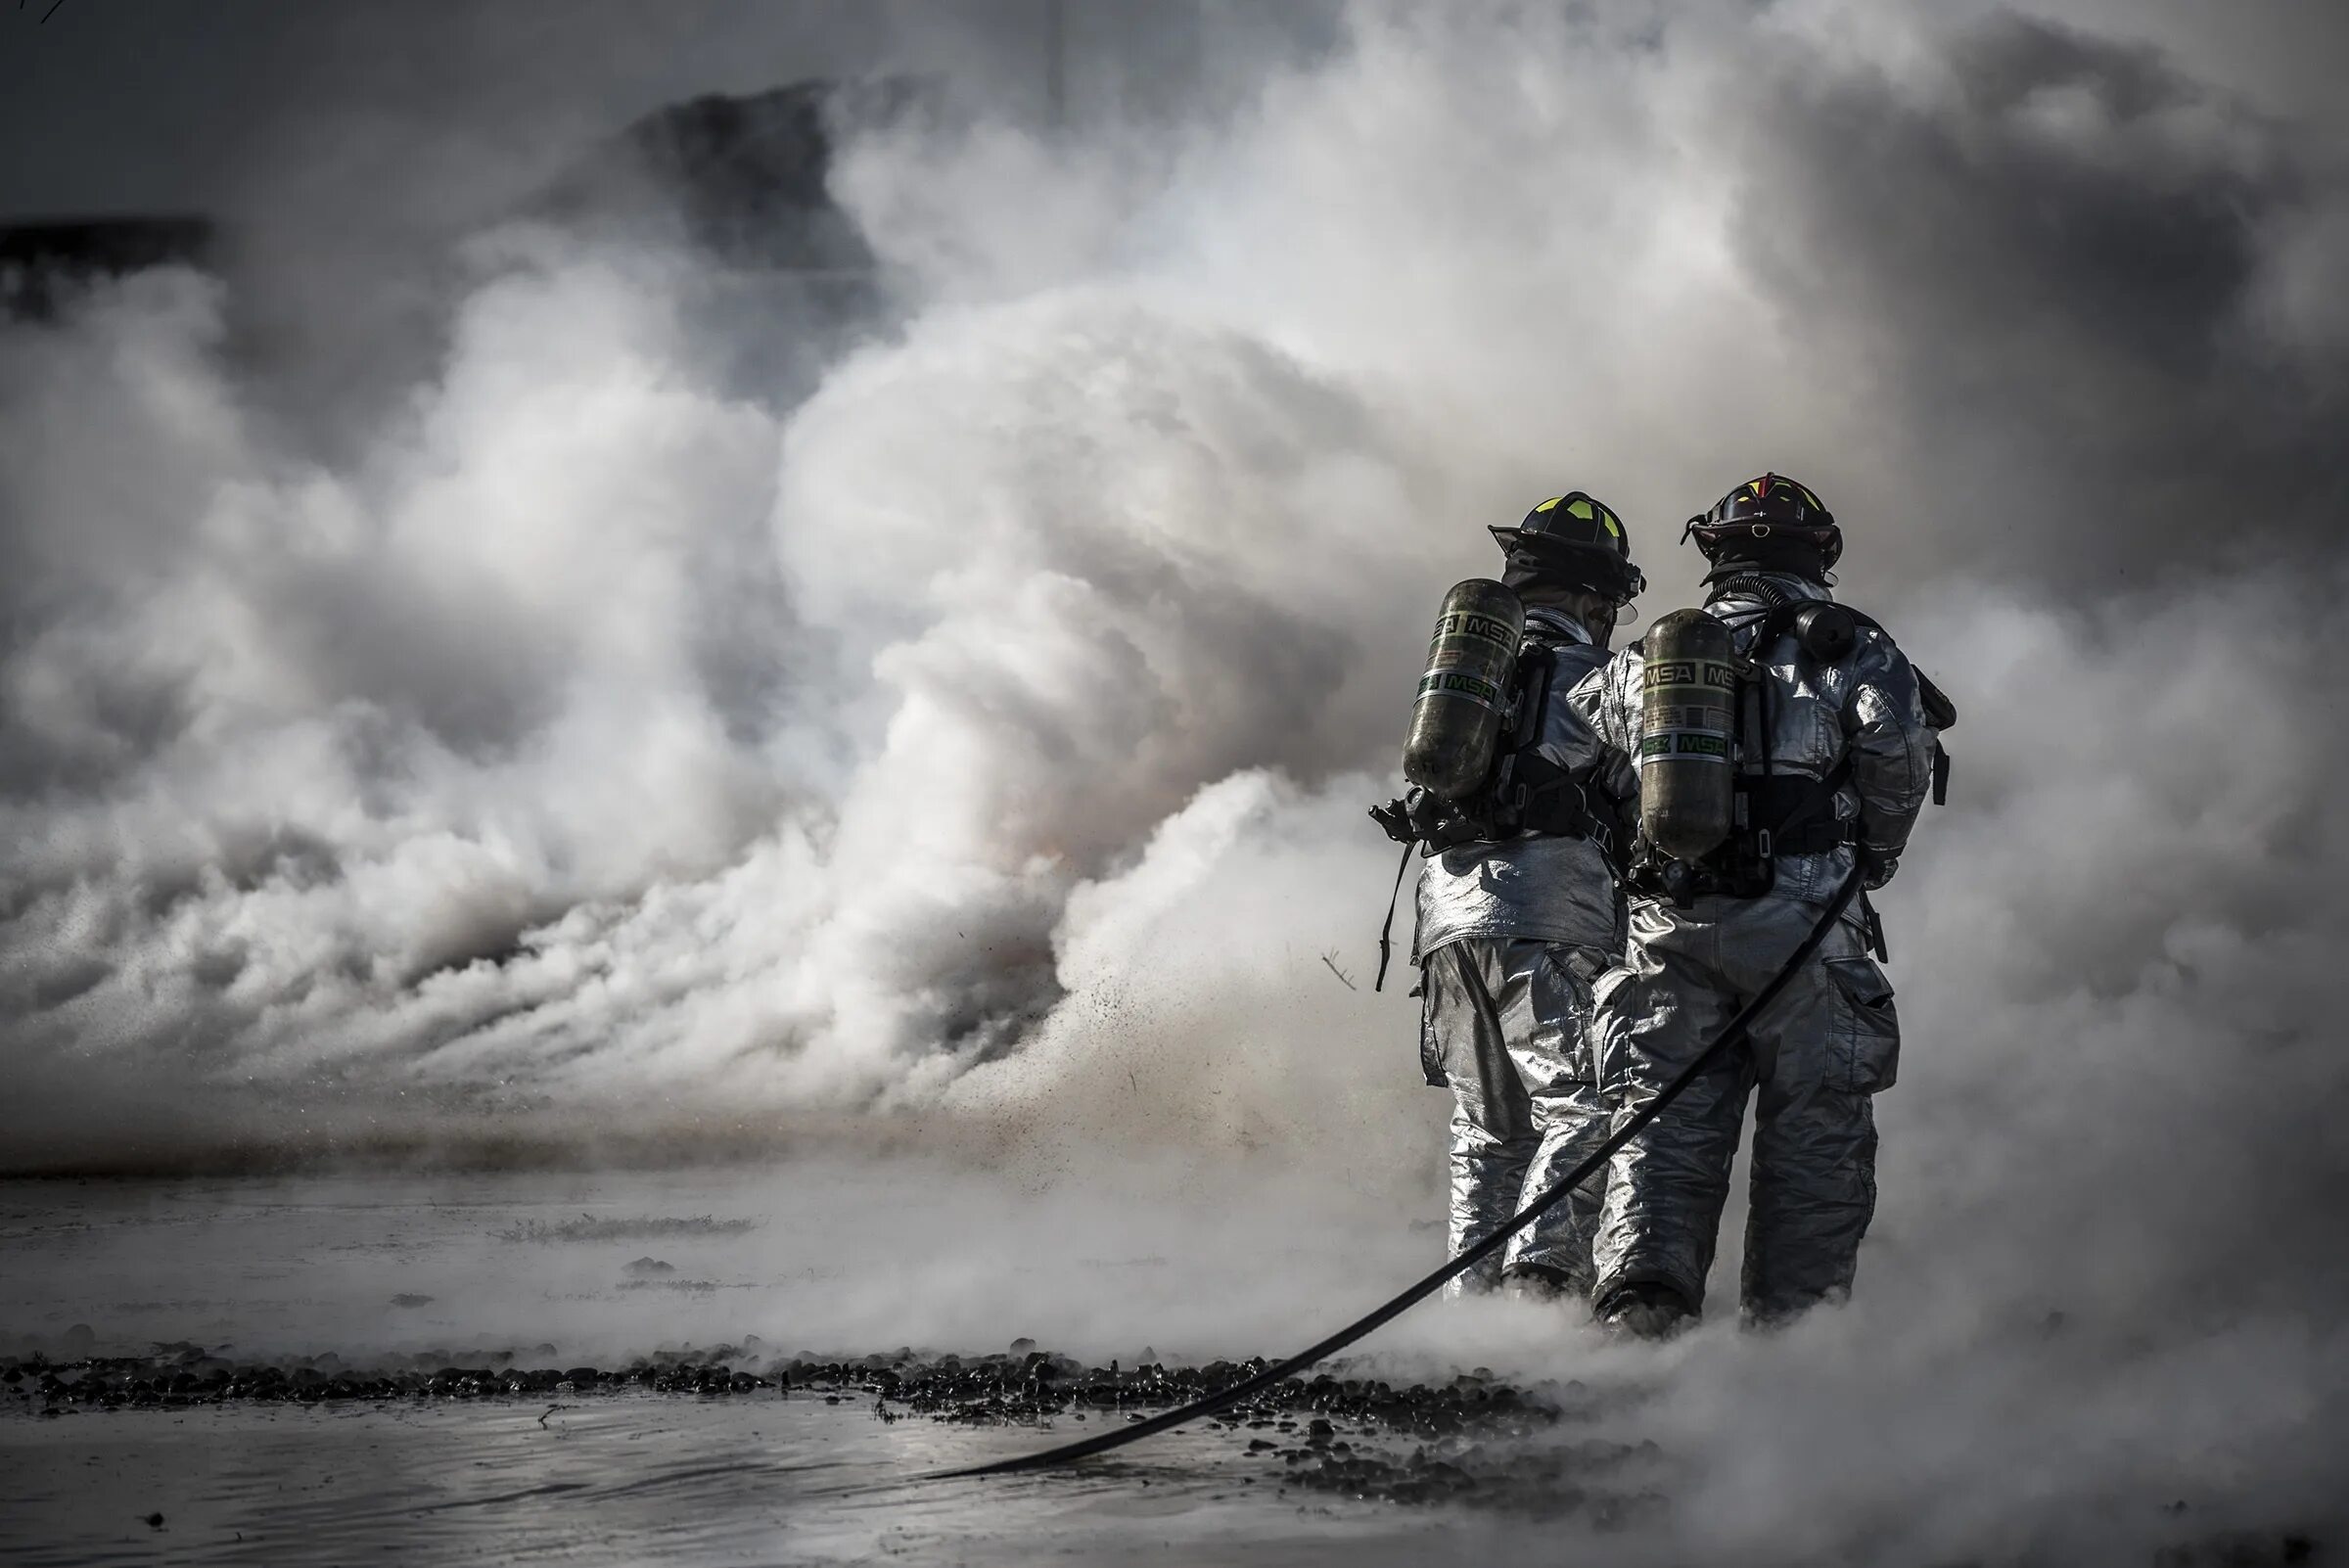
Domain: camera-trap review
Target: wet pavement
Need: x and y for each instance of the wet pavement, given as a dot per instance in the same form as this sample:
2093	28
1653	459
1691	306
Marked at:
625	1478
1461	1440
318	1370
774	1366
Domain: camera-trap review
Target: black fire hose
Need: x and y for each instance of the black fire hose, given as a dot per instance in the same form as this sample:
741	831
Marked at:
1167	1421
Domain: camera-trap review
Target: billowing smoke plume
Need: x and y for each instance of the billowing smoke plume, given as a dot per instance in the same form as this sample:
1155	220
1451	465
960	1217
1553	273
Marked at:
986	734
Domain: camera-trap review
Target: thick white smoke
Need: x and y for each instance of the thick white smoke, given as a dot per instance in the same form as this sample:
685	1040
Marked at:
987	736
416	773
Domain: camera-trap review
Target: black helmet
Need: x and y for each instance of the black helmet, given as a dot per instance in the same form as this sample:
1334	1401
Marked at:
1576	538
1771	521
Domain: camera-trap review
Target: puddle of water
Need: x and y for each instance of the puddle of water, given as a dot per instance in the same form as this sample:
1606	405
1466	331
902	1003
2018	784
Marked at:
633	1478
820	1256
566	1269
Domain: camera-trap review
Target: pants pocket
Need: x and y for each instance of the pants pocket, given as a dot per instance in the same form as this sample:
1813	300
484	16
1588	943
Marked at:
1610	1058
1563	1010
1868	1027
1431	1038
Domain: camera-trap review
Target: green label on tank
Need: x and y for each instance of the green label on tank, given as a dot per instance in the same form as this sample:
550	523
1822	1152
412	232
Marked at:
1683	746
1484	628
1687	673
1453	683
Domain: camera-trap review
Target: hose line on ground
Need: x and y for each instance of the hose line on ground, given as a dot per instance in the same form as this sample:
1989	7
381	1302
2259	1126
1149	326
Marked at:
1387	1311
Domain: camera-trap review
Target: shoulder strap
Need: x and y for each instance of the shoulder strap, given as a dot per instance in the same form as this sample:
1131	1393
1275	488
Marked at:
1938	707
1536	667
1386	930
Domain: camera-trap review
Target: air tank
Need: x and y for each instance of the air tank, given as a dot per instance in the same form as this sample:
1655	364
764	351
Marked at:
1687	729
1455	725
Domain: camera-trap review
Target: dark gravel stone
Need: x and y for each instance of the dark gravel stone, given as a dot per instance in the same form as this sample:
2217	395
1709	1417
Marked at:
1357	1435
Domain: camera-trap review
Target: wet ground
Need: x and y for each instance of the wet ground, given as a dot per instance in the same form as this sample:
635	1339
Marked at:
610	1369
625	1478
1360	1437
770	1367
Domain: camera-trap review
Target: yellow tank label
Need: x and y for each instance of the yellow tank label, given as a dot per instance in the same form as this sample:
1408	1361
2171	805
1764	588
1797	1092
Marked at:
1687	715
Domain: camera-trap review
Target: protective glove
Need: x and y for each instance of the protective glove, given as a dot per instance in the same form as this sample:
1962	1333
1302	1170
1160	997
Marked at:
1394	817
1419	816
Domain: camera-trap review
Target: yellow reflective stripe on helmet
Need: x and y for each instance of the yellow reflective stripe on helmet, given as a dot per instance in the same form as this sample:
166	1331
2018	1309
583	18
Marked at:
1583	509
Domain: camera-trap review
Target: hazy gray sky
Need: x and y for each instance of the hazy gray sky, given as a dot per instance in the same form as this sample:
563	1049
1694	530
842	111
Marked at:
140	104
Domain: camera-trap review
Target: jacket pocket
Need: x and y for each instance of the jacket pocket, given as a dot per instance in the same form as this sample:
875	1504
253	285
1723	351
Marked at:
1867	1051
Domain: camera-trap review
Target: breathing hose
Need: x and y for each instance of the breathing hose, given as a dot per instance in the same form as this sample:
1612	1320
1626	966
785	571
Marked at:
1395	1307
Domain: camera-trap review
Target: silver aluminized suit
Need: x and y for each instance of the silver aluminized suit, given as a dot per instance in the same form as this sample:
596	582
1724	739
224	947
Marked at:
1829	1041
1510	936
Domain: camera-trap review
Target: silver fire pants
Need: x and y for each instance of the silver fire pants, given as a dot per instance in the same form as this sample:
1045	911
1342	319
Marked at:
1505	1026
1815	1055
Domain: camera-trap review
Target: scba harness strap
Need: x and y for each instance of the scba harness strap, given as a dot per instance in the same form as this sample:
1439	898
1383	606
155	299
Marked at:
1776	815
1530	792
1787	813
1794	813
1828	631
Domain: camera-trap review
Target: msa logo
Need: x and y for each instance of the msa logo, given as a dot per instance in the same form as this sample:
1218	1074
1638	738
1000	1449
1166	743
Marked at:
1683	746
1451	683
1484	628
1688	672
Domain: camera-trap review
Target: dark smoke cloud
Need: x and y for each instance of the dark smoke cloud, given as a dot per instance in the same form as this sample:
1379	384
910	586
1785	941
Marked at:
2065	258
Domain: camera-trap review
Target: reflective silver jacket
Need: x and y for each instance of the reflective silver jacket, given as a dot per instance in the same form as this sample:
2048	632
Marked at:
1536	885
1868	704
